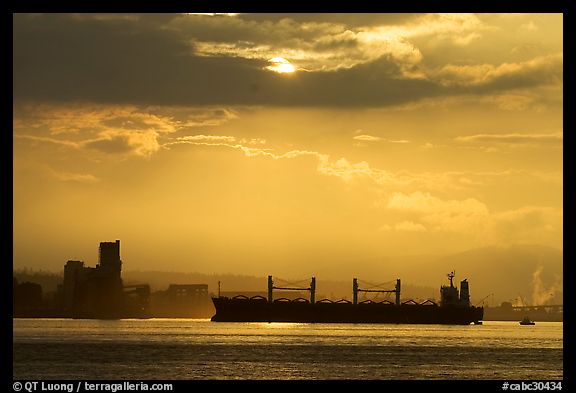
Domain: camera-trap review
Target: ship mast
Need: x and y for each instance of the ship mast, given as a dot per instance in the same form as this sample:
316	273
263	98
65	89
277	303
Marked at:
450	277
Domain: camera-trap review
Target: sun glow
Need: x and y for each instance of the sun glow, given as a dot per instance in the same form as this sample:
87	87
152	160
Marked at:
280	65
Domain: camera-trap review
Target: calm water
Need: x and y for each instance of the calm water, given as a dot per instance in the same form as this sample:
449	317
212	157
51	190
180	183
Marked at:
200	349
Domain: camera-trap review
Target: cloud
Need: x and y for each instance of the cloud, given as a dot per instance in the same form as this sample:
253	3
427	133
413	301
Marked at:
138	143
516	101
55	141
529	26
514	139
218	141
409	226
311	45
423	183
79	118
460	216
471	217
403	226
349	19
526	218
340	168
327	43
425	203
452	27
74	177
112	142
362	172
207	138
253	141
343	168
414	199
535	98
201	117
370	138
367	138
114	129
157	67
105	17
533	72
213	13
181	60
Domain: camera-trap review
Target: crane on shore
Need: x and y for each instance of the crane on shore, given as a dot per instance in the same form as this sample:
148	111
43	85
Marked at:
484	298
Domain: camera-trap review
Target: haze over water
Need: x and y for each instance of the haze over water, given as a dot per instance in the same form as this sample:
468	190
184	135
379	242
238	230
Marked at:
199	349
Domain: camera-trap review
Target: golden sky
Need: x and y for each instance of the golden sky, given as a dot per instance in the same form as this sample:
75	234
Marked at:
291	143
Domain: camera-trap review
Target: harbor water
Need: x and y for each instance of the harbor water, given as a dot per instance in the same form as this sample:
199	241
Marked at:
188	349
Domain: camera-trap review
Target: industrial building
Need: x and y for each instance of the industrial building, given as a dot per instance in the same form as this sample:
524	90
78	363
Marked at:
98	292
182	301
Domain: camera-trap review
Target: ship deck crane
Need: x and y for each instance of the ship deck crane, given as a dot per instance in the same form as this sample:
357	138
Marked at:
356	289
486	297
312	289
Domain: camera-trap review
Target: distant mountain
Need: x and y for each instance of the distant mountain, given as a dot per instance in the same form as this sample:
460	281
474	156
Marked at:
160	280
533	273
333	289
48	280
528	273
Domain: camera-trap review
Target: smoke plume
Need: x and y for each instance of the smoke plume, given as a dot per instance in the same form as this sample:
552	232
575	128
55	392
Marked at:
542	294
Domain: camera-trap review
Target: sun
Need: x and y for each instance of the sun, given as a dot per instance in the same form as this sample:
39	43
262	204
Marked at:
280	65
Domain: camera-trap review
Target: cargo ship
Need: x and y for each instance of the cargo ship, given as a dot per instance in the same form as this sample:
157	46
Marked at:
454	307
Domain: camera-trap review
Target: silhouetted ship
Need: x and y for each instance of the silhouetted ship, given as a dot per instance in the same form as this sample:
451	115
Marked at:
454	308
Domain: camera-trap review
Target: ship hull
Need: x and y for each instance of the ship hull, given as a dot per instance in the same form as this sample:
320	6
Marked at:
247	310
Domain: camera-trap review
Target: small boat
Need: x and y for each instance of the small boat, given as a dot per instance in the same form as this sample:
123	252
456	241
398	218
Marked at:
527	321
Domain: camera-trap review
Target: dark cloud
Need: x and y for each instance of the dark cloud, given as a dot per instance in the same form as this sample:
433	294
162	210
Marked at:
233	29
67	59
277	28
546	70
134	60
348	19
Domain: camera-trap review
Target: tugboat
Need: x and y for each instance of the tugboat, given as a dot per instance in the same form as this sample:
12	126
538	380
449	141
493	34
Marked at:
527	321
